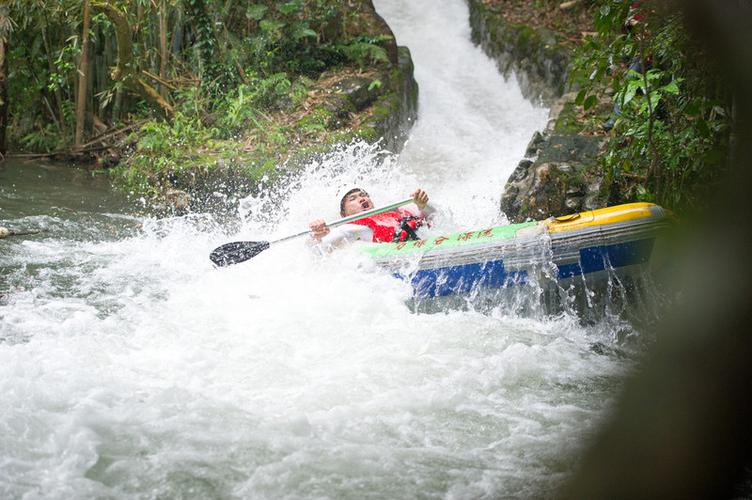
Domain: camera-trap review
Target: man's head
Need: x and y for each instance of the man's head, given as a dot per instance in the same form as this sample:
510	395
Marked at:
354	201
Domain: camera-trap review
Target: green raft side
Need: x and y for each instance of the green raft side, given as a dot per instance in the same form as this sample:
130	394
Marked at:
463	238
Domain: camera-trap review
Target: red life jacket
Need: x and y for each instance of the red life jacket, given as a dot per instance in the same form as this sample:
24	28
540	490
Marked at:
397	225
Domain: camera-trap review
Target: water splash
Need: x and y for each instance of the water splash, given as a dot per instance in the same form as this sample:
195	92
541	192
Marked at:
129	367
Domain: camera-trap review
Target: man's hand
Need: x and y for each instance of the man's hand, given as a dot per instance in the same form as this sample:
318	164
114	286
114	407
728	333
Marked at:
319	229
420	198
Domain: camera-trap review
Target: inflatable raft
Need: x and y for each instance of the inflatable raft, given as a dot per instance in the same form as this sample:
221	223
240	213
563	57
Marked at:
582	247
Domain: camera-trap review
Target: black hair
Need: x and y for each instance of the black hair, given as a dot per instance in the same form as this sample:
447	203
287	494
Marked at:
342	201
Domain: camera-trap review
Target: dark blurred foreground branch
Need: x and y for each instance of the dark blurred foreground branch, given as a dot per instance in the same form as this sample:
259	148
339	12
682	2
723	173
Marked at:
682	427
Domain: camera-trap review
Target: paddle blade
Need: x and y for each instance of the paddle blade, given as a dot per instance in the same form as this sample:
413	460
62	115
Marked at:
237	251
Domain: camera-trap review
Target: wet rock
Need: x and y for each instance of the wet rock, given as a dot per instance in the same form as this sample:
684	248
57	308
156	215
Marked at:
534	145
179	201
523	167
361	92
534	56
560	173
558	176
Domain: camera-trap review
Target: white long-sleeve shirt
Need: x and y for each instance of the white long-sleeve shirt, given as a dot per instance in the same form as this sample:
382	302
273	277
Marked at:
347	233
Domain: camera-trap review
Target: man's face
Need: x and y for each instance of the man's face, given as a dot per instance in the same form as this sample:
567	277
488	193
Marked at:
356	202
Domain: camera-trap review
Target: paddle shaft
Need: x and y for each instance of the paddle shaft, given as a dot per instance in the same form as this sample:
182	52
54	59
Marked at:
350	218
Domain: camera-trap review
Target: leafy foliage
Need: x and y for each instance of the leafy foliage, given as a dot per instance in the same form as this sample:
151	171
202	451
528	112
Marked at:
43	139
231	60
672	109
365	50
159	138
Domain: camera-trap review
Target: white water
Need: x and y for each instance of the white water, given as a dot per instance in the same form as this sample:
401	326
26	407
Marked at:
129	368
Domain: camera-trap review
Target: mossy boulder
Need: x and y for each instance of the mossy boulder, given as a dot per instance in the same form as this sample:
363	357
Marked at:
559	174
537	57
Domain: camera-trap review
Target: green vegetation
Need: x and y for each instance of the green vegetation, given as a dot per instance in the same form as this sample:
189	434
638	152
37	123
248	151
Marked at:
670	138
181	85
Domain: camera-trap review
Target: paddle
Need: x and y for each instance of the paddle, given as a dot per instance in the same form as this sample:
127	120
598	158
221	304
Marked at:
240	251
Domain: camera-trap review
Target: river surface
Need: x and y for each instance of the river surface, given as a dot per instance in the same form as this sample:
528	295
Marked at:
130	368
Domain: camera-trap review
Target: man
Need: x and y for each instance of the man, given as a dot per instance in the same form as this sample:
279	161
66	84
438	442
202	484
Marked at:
387	227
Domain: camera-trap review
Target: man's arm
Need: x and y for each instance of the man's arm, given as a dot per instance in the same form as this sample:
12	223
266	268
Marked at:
330	238
422	204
